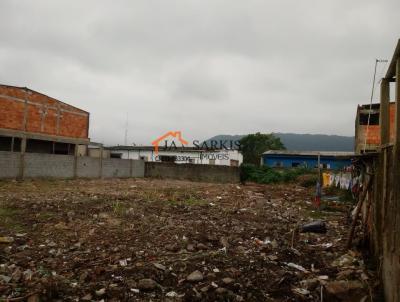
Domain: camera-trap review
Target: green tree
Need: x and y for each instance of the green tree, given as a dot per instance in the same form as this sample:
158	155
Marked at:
254	145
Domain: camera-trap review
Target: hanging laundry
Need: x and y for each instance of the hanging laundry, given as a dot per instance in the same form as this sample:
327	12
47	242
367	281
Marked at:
325	179
332	179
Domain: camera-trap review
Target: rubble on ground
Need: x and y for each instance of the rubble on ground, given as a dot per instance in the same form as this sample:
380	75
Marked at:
163	240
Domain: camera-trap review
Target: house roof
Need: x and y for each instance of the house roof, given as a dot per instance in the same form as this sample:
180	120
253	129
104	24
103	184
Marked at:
310	153
161	148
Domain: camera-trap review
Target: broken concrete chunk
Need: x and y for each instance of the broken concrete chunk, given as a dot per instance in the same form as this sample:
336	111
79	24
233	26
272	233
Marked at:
5	279
228	280
300	291
160	266
100	292
298	267
196	276
147	284
344	260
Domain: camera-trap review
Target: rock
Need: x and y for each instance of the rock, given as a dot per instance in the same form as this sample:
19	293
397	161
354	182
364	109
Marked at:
33	298
172	247
190	247
87	297
224	242
147	284
100	292
195	276
241	249
345	290
344	260
345	275
103	216
5	279
16	275
61	226
221	290
300	291
171	294
202	246
309	284
272	257
227	280
160	266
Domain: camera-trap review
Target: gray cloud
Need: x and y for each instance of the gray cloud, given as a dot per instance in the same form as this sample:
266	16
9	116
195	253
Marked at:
203	67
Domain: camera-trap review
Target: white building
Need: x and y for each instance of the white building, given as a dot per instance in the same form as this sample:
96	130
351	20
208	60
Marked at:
179	155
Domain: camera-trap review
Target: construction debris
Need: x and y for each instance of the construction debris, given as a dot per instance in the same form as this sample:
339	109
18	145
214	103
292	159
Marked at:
158	240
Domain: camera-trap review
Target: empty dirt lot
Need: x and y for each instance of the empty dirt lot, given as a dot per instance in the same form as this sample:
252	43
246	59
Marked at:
160	240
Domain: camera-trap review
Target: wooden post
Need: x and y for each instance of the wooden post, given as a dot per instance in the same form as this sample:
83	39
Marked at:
397	118
12	144
396	160
22	159
384	116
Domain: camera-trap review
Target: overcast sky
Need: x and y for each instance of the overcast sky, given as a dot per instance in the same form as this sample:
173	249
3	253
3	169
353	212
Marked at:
204	67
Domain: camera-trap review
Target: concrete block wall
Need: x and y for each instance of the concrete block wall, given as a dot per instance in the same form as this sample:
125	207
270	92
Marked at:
88	167
9	164
138	168
114	167
48	165
39	165
193	172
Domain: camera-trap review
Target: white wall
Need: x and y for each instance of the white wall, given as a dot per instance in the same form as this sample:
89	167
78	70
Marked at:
221	157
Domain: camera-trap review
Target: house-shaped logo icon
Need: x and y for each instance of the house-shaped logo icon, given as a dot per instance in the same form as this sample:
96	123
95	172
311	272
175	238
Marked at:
174	134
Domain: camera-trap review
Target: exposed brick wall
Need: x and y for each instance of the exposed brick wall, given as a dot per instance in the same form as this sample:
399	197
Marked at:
44	114
374	132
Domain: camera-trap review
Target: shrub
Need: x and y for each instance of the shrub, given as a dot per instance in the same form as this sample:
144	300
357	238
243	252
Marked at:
268	175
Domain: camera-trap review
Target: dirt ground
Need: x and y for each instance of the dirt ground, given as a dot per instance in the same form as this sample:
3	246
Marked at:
164	240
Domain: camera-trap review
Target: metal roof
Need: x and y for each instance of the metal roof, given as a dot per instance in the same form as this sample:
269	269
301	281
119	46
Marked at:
310	153
160	148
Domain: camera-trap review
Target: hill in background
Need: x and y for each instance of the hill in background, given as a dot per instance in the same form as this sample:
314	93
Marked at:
305	142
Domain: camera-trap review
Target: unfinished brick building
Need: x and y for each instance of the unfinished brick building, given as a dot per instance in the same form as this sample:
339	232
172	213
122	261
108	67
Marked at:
368	131
33	122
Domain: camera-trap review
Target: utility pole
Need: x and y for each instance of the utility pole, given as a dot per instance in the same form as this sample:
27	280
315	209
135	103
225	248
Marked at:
372	96
126	131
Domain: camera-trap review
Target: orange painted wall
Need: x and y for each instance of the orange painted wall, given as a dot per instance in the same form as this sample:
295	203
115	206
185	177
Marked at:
44	114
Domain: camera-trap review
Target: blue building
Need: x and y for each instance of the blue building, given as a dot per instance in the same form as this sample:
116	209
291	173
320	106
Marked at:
309	159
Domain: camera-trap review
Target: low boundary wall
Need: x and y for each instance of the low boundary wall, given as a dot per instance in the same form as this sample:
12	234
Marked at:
40	165
193	172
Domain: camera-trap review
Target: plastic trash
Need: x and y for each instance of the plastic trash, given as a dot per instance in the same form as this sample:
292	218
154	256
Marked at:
317	226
